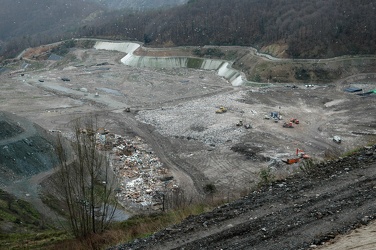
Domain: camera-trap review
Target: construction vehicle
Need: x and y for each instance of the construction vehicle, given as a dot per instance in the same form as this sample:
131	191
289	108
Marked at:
300	155
247	126
275	115
287	125
291	161
221	110
240	123
294	120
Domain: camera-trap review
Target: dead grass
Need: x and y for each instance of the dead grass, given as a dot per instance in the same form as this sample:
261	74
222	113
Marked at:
139	226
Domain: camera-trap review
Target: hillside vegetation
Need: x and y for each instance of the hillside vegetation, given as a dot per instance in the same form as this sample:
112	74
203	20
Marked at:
307	29
288	28
31	23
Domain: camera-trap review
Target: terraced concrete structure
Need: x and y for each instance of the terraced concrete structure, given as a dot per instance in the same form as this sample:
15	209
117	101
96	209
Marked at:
223	68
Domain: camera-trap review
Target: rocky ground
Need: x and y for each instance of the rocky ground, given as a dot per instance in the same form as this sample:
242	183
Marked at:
174	112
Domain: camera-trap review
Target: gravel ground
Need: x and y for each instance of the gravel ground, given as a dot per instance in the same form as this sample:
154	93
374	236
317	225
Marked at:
173	111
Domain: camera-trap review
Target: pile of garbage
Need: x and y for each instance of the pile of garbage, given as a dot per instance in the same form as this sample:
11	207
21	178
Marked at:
142	177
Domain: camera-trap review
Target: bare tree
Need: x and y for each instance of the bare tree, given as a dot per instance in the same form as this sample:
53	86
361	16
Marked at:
85	180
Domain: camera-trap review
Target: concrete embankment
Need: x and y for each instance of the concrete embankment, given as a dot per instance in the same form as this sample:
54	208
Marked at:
223	68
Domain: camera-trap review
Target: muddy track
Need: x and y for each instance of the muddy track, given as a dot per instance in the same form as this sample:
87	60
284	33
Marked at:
297	213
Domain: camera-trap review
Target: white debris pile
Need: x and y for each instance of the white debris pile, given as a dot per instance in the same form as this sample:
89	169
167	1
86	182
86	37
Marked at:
198	120
141	175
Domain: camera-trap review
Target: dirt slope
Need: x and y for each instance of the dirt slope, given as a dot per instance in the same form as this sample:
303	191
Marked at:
300	212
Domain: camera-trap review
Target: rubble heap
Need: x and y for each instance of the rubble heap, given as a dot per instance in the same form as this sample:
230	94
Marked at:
143	178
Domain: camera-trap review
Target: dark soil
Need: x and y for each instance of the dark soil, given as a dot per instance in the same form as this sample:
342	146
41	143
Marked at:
9	130
26	149
300	212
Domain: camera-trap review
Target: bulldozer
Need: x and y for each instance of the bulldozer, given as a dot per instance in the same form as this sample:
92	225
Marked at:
221	110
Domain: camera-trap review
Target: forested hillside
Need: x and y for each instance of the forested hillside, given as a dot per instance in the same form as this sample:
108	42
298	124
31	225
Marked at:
32	22
303	28
321	28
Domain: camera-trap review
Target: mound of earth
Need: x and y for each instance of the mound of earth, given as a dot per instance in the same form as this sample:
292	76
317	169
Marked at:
25	149
300	212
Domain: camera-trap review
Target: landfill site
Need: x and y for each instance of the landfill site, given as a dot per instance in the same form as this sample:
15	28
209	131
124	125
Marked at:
171	127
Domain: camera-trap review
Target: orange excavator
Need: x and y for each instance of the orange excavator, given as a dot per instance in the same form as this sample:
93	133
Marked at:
291	161
300	155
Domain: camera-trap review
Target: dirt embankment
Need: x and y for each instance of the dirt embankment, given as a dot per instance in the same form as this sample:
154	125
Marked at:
301	212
